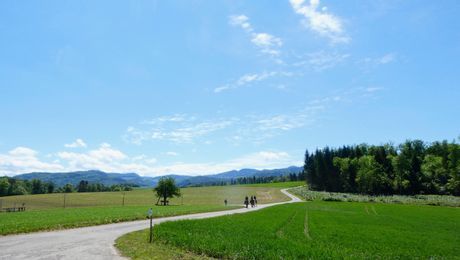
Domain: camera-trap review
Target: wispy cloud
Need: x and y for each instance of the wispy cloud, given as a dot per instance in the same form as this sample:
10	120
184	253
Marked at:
252	78
373	89
245	80
320	21
381	60
265	42
76	144
248	129
181	131
321	60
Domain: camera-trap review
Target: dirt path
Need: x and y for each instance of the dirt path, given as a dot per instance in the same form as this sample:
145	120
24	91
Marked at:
94	242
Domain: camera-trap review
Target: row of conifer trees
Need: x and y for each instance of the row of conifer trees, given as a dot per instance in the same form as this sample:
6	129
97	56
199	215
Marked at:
413	167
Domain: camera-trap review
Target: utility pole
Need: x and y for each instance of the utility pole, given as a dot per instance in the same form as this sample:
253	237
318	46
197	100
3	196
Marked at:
64	198
123	203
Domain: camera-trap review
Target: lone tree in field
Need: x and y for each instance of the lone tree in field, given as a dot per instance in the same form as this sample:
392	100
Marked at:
166	188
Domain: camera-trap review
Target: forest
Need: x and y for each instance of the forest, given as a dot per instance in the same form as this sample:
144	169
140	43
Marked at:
11	186
413	167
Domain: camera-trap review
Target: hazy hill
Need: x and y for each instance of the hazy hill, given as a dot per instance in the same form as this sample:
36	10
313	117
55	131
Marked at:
94	176
62	178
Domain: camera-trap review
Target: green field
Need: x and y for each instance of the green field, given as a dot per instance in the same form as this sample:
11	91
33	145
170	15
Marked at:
213	195
316	229
47	212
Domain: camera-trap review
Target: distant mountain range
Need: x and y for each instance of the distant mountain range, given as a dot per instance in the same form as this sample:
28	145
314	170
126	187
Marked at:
108	179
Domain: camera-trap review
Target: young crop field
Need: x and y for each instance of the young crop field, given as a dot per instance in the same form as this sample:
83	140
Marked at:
47	212
316	229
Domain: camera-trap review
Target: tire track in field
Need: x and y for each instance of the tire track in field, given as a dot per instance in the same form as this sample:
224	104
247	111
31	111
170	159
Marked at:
372	210
306	230
280	231
266	195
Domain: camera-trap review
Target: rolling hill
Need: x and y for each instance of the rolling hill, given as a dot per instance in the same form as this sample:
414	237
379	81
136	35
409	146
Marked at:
94	176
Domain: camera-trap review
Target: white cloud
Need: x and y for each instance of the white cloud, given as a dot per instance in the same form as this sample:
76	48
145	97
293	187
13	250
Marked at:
108	159
77	143
387	58
320	21
268	43
139	157
265	42
373	89
258	160
104	158
242	21
23	160
23	152
172	153
221	88
151	161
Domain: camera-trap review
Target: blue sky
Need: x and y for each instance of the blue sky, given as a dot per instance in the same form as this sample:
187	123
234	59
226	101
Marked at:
199	87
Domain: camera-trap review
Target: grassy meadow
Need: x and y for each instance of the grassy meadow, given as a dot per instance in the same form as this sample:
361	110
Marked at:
316	229
213	195
47	212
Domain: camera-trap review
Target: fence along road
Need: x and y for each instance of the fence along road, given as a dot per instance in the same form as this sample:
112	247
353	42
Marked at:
95	242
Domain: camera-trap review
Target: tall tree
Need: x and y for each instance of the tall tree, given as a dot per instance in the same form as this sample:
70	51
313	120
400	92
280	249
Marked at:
166	188
4	186
37	187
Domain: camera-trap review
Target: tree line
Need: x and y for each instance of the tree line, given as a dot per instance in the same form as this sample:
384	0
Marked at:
254	180
413	167
11	186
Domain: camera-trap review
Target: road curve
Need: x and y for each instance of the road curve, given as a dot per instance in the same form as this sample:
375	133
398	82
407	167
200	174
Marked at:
95	242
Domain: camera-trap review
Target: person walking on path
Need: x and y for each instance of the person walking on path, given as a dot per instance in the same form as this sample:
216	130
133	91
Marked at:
255	200
252	202
246	201
225	201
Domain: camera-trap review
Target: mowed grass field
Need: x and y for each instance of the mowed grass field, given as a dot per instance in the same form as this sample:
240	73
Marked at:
214	195
316	229
47	212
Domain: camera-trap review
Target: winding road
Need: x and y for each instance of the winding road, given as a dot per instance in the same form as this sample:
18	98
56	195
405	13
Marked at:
95	242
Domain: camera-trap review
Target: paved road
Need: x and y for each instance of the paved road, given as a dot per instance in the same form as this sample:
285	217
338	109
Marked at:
94	242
